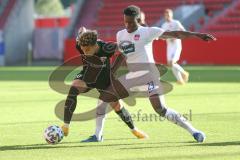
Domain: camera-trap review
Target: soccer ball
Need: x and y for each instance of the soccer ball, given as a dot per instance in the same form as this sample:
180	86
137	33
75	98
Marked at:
53	134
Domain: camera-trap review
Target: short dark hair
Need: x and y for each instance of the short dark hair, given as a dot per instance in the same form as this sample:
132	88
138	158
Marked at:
88	38
133	11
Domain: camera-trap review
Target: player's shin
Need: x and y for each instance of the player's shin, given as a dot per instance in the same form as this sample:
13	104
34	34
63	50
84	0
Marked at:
158	103
177	74
177	69
70	106
126	117
181	121
100	118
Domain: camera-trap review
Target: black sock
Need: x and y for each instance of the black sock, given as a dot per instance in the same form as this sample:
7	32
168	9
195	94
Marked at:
126	117
70	104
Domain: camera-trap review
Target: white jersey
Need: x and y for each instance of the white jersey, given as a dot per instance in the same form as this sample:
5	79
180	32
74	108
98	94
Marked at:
137	46
174	46
143	74
173	25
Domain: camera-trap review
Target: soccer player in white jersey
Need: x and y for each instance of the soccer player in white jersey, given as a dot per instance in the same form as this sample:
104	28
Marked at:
174	47
135	44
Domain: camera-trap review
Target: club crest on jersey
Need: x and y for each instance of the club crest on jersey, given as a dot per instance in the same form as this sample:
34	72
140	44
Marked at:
136	37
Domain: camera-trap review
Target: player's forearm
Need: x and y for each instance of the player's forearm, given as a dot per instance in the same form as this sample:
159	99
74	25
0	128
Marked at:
179	34
186	34
117	63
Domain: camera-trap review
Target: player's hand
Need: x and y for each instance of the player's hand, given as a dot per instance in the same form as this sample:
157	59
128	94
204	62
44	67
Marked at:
206	37
81	30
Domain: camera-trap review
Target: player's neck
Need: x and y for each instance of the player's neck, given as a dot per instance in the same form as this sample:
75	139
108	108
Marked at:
135	29
97	49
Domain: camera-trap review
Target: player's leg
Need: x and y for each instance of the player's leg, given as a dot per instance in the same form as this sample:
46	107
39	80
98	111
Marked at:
171	54
177	74
78	86
118	91
181	74
126	118
173	116
112	95
109	97
123	113
100	120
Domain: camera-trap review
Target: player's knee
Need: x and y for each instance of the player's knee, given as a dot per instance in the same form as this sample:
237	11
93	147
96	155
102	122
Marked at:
73	92
116	106
161	110
77	83
80	86
101	109
158	105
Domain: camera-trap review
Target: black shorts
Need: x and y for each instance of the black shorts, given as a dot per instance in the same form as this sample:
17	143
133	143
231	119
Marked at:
80	76
113	92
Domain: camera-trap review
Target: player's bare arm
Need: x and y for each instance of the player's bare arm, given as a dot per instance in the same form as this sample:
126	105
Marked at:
187	34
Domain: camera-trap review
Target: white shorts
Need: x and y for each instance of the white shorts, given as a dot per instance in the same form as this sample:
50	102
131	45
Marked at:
142	80
174	51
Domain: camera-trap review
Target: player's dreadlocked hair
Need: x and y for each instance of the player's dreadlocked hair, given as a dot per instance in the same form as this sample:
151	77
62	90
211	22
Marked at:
88	38
133	11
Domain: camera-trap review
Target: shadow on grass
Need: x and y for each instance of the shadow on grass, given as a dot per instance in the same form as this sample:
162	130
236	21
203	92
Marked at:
233	143
191	144
83	145
132	146
58	146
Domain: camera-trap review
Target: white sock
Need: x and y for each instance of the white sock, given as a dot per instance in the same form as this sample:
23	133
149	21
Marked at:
179	120
179	68
177	73
99	126
100	118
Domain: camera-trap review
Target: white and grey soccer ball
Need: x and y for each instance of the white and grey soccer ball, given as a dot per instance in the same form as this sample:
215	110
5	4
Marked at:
53	134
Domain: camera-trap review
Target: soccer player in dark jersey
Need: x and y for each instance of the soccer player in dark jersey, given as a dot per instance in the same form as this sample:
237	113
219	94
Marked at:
96	73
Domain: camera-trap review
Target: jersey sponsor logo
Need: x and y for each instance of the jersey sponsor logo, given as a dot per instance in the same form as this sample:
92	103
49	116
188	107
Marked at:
136	37
127	47
151	86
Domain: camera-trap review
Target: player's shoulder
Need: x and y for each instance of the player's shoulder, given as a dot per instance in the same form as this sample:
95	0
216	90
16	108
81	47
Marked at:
176	21
154	28
164	23
101	42
121	32
107	46
145	28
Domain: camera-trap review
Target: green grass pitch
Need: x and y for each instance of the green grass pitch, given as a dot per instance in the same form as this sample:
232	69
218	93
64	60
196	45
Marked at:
211	99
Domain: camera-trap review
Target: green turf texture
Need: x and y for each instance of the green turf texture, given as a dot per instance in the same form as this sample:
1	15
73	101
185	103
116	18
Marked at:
212	97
